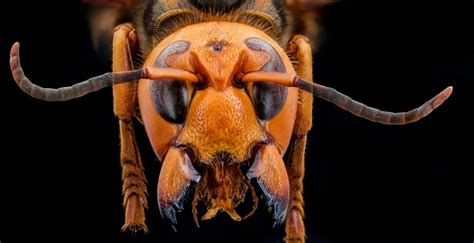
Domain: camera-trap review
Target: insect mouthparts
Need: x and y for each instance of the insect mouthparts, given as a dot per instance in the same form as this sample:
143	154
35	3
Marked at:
223	188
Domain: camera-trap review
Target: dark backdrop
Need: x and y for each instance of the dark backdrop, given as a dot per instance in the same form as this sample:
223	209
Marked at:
60	171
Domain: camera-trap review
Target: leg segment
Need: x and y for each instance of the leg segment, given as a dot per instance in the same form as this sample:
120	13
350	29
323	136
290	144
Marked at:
133	176
295	230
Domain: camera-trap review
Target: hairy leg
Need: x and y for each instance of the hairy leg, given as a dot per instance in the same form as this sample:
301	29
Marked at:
295	229
133	176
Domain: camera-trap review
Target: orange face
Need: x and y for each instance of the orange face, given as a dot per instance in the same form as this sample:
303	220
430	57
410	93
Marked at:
220	123
219	105
220	116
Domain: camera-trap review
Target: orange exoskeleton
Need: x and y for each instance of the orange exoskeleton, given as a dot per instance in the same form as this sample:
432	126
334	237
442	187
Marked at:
224	92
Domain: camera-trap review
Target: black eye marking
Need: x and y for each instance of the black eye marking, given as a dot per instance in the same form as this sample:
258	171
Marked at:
268	98
170	97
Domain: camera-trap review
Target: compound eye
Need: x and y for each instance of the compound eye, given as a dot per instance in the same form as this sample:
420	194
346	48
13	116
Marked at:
171	99
268	99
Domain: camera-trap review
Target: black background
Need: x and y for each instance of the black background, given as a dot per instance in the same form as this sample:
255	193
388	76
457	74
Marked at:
60	170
